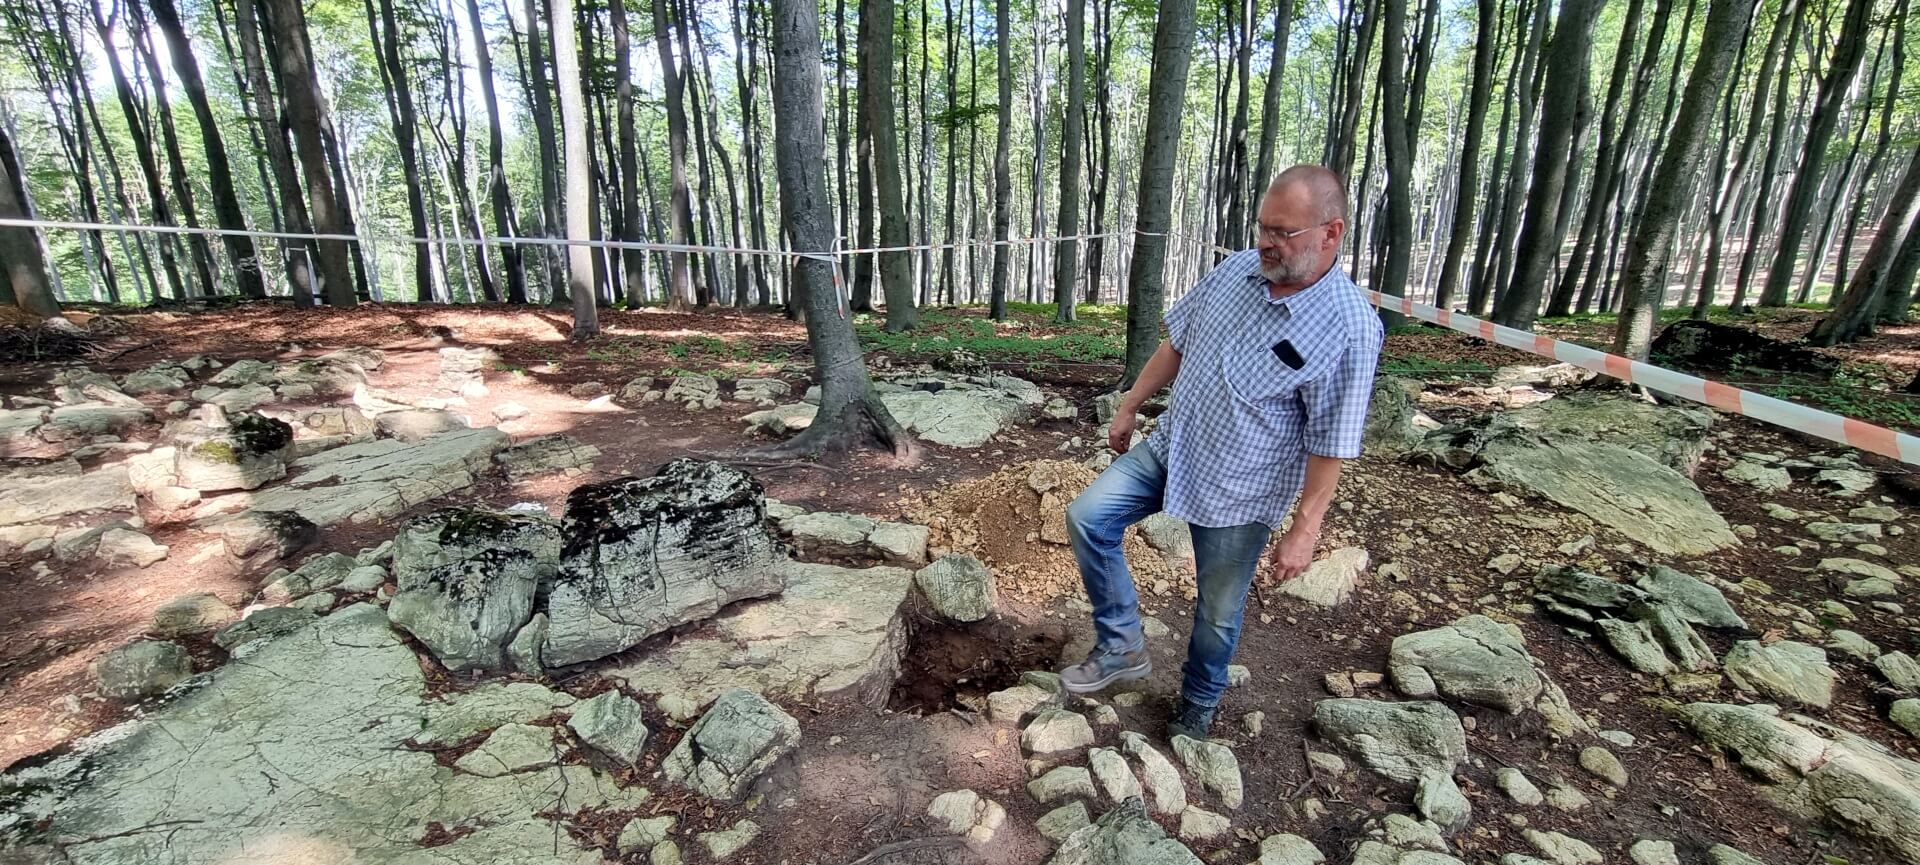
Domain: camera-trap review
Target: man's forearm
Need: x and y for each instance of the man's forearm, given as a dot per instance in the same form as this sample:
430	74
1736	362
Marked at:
1160	371
1323	477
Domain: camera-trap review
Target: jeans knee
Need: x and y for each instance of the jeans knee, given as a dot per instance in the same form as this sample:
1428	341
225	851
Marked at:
1083	517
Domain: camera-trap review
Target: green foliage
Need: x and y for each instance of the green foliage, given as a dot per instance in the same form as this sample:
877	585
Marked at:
943	332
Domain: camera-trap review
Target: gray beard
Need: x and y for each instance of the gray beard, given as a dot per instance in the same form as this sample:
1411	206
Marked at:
1286	272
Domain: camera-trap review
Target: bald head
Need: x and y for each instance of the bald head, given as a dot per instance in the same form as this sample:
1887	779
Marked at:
1302	218
1312	188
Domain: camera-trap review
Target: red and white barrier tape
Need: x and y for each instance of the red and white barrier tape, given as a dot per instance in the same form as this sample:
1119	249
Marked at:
1845	430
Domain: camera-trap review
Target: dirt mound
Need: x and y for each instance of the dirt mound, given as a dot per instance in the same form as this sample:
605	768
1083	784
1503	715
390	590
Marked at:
1015	520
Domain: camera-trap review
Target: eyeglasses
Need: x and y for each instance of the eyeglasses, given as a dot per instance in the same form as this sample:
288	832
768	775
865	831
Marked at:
1275	235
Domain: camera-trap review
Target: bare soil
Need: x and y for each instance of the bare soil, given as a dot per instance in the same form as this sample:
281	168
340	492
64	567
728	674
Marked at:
862	778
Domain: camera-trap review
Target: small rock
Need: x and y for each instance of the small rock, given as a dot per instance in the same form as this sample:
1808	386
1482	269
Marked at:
1285	849
1506	563
127	547
1200	825
1514	783
511	411
737	740
1874	513
192	615
587	390
1905	714
1569	799
1060	783
317	603
1620	738
1065	820
1330	581
1330	764
1563	849
664	853
958	587
1845	533
1405	832
1168	792
723	844
1785	670
611	724
1214	766
1603	765
1238	676
1439	799
643	833
511	748
365	578
1116	779
262	624
1901	670
1853	644
967	813
1010	705
1721	854
142	669
1056	730
678	707
1650	852
1252	722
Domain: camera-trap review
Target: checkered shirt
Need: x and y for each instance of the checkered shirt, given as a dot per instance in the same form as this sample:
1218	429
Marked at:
1242	421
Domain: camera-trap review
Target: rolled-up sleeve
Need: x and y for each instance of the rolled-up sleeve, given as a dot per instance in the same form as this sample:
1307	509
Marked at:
1336	404
1180	316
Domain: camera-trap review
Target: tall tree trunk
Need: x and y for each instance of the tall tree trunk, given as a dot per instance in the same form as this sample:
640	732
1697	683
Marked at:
1486	45
1521	165
1264	169
947	287
868	232
1166	99
399	92
297	256
1848	49
1883	139
1853	317
55	69
226	203
26	285
307	117
1103	122
539	96
1066	261
1480	287
162	213
499	194
1604	165
850	410
747	78
680	295
1342	152
1651	246
1563	95
876	101
1399	149
1002	169
1234	232
1764	203
573	126
1730	176
205	269
844	163
704	286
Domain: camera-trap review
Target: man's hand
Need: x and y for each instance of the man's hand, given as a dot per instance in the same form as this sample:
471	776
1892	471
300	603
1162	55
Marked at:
1120	431
1292	555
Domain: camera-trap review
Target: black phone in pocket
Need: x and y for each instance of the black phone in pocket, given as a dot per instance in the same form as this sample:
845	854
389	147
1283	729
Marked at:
1288	355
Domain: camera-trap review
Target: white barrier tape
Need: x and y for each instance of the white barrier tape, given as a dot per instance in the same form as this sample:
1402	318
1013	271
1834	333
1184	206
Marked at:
1827	425
643	246
1794	416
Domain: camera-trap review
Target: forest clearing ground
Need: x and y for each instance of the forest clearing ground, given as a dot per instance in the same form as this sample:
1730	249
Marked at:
1443	532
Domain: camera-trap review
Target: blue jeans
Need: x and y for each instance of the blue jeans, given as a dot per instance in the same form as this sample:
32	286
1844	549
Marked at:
1129	491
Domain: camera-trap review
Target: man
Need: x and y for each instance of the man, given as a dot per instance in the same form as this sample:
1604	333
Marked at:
1272	359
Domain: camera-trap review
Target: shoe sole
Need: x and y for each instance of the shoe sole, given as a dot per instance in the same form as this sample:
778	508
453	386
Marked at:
1127	675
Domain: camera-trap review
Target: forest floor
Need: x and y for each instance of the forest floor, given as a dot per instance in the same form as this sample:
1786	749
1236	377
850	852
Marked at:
865	778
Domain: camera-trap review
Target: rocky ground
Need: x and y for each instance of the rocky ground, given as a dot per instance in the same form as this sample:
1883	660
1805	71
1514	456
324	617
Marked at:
398	589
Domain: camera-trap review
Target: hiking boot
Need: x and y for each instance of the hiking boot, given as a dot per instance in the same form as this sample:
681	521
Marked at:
1191	720
1103	668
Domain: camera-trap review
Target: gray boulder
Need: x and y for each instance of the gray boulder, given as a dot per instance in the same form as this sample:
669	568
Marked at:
1123	836
1439	799
467	579
1390	428
139	670
729	748
1816	768
958	587
1634	642
412	425
694	391
547	454
317	573
1694	600
1214	766
1475	659
240	452
46	491
1398	740
611	724
192	615
642	555
1582	589
1786	670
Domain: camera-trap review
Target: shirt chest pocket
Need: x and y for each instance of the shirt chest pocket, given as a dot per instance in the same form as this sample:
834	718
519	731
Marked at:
1258	377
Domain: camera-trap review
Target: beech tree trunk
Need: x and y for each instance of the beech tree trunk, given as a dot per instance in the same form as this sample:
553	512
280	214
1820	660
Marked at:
876	101
1066	260
1166	100
307	116
1002	167
1486	45
573	126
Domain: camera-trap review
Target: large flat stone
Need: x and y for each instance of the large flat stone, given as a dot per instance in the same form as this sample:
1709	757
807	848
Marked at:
45	497
381	479
833	631
298	755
